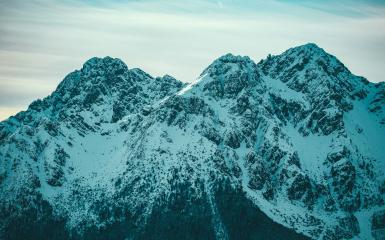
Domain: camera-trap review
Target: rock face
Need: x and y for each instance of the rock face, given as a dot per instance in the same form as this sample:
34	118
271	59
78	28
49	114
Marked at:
289	148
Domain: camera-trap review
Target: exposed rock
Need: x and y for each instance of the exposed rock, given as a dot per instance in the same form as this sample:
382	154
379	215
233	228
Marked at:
232	139
378	225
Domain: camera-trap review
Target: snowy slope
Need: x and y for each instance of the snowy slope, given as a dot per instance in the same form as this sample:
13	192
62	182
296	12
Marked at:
291	147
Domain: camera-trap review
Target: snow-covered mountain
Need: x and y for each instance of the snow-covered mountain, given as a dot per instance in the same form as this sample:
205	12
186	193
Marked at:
290	148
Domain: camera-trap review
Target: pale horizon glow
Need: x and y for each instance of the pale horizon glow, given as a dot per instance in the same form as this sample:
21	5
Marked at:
42	41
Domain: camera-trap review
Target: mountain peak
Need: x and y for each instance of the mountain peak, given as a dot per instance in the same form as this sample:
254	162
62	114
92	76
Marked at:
106	64
230	74
107	60
229	63
233	61
308	50
300	59
230	58
312	46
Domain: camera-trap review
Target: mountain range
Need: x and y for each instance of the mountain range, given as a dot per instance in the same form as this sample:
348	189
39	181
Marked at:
291	147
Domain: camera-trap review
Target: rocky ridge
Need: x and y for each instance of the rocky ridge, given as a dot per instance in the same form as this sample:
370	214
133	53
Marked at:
289	147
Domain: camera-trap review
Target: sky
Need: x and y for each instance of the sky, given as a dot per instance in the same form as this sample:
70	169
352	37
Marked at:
41	41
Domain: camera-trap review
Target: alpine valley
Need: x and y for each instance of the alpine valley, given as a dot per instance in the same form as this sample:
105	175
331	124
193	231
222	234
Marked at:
292	147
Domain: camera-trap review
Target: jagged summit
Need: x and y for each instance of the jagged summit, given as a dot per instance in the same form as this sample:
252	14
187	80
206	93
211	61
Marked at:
228	63
310	47
229	74
107	62
106	89
308	52
304	55
311	70
312	54
230	58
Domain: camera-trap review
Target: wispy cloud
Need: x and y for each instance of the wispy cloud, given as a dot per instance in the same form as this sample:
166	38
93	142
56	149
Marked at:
41	41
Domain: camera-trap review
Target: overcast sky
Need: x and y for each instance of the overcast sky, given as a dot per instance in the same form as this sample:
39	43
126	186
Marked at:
42	41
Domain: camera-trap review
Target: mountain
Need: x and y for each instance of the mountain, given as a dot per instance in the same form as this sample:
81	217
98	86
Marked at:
289	148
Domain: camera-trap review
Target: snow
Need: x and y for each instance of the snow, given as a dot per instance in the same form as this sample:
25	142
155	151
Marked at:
282	90
149	154
370	142
312	151
191	86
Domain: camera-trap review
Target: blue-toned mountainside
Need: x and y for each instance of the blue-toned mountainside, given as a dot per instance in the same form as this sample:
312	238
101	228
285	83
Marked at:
291	147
